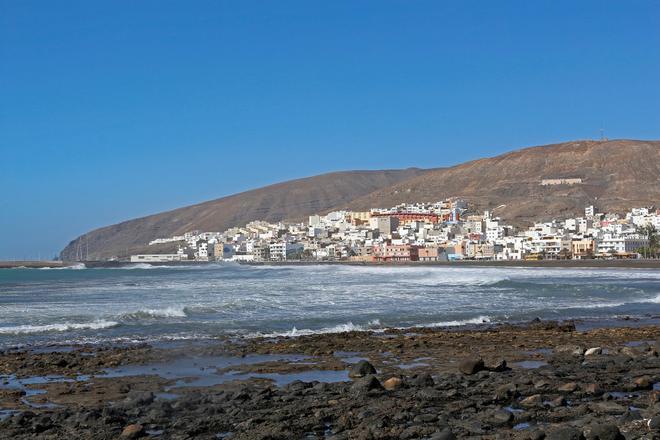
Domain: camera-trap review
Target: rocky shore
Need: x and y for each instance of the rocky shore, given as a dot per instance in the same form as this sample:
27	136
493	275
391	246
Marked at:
534	381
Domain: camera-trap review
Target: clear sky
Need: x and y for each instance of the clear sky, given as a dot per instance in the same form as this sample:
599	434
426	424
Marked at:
111	110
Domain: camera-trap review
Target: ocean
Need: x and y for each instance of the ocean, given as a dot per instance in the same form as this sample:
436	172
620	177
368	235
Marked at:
166	303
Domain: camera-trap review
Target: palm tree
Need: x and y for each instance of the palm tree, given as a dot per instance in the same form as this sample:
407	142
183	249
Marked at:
651	234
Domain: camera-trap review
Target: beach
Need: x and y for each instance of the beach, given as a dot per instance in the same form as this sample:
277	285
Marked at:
329	352
504	381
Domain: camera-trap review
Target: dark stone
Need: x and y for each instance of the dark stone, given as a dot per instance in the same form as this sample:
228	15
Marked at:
559	401
501	417
471	366
361	369
605	431
366	384
630	416
422	380
536	434
642	383
505	392
654	423
425	418
140	398
565	433
444	434
297	385
498	366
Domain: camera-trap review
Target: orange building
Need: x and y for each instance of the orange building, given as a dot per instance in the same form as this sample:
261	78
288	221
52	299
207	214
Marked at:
408	217
395	252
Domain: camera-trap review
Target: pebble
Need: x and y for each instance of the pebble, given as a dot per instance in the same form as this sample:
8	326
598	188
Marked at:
593	351
393	383
133	431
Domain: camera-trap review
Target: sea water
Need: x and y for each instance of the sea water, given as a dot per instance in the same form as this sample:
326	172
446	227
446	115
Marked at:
152	303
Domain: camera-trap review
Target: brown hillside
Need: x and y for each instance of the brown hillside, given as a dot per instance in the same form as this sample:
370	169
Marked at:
292	199
616	175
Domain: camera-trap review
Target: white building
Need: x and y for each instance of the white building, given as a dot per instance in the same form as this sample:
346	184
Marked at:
156	258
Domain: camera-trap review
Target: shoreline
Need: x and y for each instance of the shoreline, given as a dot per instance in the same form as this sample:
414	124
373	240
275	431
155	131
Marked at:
34	264
608	264
493	381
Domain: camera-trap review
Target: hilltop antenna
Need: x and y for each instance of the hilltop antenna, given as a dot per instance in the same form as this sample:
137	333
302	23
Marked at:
603	138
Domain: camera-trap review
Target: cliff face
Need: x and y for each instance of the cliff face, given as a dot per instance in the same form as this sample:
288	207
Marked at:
615	175
292	199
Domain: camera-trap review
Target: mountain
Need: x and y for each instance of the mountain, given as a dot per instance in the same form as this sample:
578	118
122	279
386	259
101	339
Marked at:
292	199
613	175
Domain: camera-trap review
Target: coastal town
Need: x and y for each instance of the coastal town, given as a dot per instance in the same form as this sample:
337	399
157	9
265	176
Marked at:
422	232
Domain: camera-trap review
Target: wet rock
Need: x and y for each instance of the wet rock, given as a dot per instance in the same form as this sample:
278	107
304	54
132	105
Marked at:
393	383
593	389
642	383
422	380
542	385
557	402
630	415
498	366
133	431
298	385
606	431
444	434
593	351
654	396
136	399
575	350
501	417
471	366
532	401
42	424
361	369
366	384
506	392
415	431
535	434
565	433
630	352
425	418
568	387
608	408
429	394
654	423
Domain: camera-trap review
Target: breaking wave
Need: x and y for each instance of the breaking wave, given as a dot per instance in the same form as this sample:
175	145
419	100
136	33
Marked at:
341	328
173	266
167	312
457	323
77	266
67	326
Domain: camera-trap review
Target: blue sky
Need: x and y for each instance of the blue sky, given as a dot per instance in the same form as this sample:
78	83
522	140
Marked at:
111	110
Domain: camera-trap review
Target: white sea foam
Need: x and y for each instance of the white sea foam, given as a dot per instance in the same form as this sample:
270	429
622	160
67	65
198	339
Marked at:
430	275
67	326
147	266
341	328
605	305
457	323
134	266
167	312
77	266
